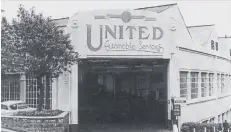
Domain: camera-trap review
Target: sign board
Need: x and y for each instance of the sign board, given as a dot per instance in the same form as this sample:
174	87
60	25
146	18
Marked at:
177	110
179	100
117	33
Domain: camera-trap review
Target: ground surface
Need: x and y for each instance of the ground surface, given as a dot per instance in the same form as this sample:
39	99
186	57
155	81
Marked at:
123	128
6	130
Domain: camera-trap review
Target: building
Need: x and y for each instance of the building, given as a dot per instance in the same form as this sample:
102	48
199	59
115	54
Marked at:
145	57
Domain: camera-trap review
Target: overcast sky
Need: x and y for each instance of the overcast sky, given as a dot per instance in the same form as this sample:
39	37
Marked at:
194	13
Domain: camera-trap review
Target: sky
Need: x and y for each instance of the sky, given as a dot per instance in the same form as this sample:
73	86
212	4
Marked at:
194	12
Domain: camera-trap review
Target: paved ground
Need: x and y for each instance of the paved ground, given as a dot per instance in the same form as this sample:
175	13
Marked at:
6	130
117	128
123	128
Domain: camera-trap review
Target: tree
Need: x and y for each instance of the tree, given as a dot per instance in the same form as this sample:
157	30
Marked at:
34	44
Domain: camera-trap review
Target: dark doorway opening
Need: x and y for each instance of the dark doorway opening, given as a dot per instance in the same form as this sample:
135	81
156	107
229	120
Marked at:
123	92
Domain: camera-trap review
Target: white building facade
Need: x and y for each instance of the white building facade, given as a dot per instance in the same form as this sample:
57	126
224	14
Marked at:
199	67
196	63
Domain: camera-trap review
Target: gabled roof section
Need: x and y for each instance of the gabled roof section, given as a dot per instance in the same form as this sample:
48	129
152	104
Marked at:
157	9
61	22
201	33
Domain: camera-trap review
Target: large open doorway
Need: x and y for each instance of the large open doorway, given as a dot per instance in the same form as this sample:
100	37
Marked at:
124	91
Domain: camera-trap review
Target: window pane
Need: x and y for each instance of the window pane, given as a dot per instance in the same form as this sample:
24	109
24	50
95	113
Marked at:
183	84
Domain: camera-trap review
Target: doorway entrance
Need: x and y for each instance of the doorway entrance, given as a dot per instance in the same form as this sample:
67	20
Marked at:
123	91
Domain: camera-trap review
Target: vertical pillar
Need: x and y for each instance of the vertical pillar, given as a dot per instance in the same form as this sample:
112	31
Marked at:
23	87
74	98
173	85
54	93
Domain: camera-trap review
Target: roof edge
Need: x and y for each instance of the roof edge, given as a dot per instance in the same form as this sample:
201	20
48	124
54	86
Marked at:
155	6
225	37
60	18
200	25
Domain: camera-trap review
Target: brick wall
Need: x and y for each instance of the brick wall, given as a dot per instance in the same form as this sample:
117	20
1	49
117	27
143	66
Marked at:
36	124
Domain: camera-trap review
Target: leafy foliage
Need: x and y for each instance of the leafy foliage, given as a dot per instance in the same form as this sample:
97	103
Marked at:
39	113
35	45
199	127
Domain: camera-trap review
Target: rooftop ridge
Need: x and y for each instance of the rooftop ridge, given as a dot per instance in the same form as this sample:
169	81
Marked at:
200	25
155	6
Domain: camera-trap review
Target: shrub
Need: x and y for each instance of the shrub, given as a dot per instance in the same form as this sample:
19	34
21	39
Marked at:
39	113
199	127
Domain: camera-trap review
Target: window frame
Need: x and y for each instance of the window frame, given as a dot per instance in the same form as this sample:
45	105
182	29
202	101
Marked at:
185	78
194	80
212	45
203	84
217	46
211	84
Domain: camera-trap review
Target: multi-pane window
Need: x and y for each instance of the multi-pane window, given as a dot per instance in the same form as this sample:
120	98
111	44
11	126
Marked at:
211	78
183	84
203	84
10	87
226	83
32	91
218	83
212	45
216	46
222	83
194	85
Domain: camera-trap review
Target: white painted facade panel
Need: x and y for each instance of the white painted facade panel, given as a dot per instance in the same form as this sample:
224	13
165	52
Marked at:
185	54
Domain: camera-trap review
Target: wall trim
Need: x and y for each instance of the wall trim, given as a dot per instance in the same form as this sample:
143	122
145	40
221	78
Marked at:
203	53
200	101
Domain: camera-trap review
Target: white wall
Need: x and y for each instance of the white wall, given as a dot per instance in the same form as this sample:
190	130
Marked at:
194	61
205	110
180	60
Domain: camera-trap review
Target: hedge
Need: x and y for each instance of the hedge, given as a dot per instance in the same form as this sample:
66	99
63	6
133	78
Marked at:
199	127
39	113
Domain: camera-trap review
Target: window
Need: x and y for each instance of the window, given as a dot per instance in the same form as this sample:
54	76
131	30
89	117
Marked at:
183	84
218	83
222	83
211	77
203	84
4	107
194	85
216	46
10	87
212	44
226	83
32	91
